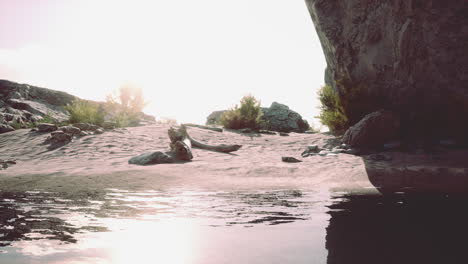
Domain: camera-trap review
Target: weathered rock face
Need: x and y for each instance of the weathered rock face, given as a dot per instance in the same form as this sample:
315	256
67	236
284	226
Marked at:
30	102
406	55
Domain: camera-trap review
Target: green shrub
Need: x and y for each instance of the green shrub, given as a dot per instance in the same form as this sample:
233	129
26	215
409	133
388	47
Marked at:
332	113
15	124
340	111
82	111
248	115
47	119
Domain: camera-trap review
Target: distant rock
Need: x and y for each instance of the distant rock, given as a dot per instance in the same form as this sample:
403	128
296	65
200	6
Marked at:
282	119
375	129
278	116
45	127
6	128
214	117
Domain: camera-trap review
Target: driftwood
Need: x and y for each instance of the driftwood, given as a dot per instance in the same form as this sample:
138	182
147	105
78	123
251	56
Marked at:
219	148
181	149
216	129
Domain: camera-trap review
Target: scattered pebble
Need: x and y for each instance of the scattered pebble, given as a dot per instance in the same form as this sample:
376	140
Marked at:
290	159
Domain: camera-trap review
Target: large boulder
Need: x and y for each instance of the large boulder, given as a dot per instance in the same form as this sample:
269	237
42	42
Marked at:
282	119
373	130
405	55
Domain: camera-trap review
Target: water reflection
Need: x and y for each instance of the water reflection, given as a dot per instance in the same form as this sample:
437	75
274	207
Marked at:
176	226
398	229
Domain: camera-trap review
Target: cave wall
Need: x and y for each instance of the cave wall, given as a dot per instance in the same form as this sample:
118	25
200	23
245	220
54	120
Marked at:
410	55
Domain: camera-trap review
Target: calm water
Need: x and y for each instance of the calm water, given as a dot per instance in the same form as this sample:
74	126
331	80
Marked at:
281	226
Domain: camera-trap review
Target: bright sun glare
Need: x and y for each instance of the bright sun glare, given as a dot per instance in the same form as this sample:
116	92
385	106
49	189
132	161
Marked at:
190	57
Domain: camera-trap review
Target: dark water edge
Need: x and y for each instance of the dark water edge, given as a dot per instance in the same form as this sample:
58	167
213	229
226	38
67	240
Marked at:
278	226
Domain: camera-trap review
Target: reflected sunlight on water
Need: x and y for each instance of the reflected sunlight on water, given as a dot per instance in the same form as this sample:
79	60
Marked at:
282	226
285	226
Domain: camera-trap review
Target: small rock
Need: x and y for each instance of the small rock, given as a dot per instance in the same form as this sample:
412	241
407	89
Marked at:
33	129
331	154
324	152
290	159
337	150
310	150
60	136
99	131
4	164
246	130
267	132
344	146
70	130
283	134
58	139
45	127
83	133
6	128
353	151
313	148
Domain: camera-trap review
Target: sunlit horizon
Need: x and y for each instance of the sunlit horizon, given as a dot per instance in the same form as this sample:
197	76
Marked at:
190	58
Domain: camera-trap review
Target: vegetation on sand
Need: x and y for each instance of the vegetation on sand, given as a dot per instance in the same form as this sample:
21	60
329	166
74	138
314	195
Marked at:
247	115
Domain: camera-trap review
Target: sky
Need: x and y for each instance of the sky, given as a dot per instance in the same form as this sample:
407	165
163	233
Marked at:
189	57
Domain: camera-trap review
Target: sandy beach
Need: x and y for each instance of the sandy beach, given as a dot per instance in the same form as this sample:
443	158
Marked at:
96	162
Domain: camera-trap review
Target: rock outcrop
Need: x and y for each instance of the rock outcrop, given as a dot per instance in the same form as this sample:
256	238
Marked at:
408	56
30	103
214	117
22	105
278	117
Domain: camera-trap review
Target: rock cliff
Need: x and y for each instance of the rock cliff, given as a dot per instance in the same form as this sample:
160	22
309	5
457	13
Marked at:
408	56
30	103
